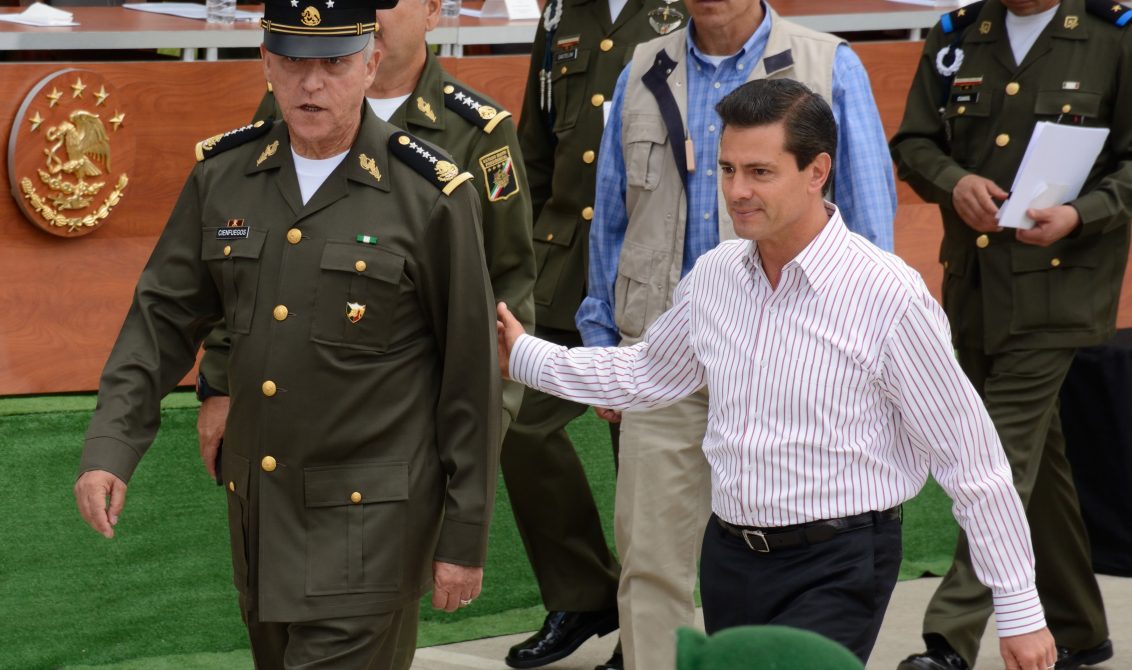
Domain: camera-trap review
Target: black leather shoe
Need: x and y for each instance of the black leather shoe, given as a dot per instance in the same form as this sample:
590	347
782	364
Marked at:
615	662
1071	659
560	635
938	658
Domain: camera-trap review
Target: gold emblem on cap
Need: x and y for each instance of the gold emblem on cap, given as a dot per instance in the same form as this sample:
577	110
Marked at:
268	152
1071	22
487	112
446	171
311	17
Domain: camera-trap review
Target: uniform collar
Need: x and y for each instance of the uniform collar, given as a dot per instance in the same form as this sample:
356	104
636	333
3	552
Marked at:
368	160
990	26
425	106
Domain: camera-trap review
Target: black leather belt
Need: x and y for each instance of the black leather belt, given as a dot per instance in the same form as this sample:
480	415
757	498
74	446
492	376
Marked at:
765	540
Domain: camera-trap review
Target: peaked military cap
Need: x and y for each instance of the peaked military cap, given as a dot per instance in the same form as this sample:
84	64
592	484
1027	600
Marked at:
319	28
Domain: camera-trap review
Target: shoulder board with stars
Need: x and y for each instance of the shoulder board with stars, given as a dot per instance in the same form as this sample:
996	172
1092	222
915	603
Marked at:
233	138
959	19
475	109
433	166
1110	11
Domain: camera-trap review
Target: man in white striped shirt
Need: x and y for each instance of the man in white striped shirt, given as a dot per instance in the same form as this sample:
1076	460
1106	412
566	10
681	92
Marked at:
833	392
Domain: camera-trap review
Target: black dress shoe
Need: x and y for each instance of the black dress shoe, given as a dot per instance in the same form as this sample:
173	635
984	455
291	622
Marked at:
615	662
939	658
560	635
1071	659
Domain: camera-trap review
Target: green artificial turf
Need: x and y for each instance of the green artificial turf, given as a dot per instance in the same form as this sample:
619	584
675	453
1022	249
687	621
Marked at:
159	595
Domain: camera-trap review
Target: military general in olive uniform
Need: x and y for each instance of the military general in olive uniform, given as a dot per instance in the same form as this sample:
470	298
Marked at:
346	259
580	48
1021	302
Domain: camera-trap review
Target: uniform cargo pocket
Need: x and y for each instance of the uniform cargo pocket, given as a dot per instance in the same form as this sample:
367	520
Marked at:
1053	287
234	264
235	470
553	235
635	297
355	520
358	288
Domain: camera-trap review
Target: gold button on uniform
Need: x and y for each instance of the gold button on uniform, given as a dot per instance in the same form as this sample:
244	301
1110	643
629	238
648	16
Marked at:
962	110
280	312
1012	88
1055	262
549	237
1002	140
597	100
232	486
588	156
268	388
404	139
360	266
1065	109
564	69
227	250
588	213
982	241
355	497
606	44
449	89
268	464
294	236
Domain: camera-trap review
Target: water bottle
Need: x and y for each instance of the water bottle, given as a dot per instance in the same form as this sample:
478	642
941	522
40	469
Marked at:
220	11
450	8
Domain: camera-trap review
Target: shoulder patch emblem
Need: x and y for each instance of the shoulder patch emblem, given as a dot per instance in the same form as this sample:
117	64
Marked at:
233	138
474	108
499	178
434	167
961	18
1110	11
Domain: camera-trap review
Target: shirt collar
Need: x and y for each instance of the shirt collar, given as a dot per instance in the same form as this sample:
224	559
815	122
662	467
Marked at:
752	49
818	261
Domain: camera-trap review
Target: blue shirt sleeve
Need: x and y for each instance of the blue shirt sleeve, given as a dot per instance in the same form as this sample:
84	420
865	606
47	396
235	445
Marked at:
863	187
607	231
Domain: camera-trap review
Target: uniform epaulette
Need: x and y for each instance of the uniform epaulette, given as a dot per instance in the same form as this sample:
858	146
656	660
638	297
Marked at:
1110	11
432	165
474	108
961	18
233	138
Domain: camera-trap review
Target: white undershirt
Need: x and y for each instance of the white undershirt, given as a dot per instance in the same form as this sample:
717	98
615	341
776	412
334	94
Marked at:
615	7
313	171
715	60
1023	31
384	107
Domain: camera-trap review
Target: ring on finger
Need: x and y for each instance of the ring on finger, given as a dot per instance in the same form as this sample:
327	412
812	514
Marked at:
465	603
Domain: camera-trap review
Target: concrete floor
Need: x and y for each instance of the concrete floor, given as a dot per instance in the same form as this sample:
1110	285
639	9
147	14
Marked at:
899	637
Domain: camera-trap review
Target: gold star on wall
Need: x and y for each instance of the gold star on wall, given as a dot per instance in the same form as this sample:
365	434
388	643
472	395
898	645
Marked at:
78	87
117	120
101	95
53	97
35	121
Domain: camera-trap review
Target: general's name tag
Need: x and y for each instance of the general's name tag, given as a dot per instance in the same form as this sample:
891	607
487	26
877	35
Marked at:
231	233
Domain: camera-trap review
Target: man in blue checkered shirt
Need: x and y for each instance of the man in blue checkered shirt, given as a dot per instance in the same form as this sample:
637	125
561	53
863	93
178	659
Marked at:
657	210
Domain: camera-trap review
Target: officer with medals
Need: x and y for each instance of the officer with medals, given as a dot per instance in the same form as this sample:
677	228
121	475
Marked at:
579	50
346	259
1020	302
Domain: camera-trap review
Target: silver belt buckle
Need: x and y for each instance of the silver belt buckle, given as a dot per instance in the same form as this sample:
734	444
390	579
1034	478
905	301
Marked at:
760	545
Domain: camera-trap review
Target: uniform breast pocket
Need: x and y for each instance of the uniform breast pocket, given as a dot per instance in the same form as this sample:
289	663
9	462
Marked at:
1059	103
1054	287
645	140
355	520
234	263
969	127
358	288
568	88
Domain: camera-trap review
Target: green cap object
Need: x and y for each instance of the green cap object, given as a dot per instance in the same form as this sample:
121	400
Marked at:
319	28
761	648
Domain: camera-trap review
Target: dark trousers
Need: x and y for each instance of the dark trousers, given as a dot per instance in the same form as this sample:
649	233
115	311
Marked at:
384	641
1020	389
839	588
553	505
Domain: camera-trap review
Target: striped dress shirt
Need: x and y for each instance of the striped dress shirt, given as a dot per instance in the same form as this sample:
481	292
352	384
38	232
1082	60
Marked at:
835	393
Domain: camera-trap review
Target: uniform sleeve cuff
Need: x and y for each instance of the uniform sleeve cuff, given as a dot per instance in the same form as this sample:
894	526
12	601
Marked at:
462	543
1018	613
527	358
111	455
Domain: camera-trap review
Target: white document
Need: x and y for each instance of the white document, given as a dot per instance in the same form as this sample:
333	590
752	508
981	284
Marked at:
474	13
516	10
41	15
186	10
1053	170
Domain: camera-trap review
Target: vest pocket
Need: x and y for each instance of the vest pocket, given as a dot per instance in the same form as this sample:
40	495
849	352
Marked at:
357	289
645	140
355	520
234	264
635	298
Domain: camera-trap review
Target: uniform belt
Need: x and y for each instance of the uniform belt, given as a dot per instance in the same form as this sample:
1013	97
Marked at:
765	540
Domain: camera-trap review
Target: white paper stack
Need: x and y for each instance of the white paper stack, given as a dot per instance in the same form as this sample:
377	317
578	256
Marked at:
41	15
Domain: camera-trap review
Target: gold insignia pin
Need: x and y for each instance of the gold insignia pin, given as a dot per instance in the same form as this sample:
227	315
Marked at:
962	12
235	223
487	112
984	27
1071	22
268	152
404	140
426	109
311	17
1116	9
369	165
355	311
446	171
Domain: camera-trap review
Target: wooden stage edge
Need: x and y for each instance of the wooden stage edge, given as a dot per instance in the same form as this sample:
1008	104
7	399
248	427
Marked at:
64	299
